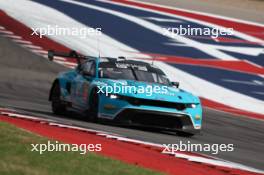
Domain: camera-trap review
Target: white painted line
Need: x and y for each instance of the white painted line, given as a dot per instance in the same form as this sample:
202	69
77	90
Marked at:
217	162
71	67
31	46
163	19
261	75
252	82
82	129
70	64
38	53
66	63
6	32
177	44
254	64
11	114
22	41
251	51
59	125
259	93
44	52
59	58
120	138
13	36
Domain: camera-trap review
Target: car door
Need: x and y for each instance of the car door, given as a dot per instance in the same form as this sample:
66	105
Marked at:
81	85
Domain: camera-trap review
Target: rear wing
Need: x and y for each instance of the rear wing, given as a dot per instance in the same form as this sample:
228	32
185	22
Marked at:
71	54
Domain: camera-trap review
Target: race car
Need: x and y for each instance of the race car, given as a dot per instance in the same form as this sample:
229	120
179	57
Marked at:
124	91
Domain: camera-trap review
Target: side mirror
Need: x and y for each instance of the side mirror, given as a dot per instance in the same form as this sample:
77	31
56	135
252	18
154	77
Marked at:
176	84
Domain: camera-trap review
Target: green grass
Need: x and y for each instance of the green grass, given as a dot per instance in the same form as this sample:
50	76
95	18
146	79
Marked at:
16	158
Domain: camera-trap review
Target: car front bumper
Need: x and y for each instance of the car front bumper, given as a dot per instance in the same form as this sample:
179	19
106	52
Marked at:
120	111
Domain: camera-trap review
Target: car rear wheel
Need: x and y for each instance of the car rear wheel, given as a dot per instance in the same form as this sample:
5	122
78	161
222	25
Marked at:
94	104
56	104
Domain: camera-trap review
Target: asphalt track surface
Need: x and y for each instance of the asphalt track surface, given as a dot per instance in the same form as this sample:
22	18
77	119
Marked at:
25	79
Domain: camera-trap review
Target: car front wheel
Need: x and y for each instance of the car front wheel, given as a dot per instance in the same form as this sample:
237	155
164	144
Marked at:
56	104
93	104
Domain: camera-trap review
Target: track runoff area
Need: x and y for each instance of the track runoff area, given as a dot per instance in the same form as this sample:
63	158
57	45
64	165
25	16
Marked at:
226	72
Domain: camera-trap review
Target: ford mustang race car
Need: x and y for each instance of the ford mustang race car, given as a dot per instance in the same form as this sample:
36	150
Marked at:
126	92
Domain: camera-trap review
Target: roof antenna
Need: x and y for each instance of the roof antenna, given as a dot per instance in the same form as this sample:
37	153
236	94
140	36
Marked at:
98	45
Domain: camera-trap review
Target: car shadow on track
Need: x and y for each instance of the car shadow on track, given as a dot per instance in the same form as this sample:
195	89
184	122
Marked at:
81	118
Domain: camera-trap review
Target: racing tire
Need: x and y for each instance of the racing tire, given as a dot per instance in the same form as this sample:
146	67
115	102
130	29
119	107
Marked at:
57	105
94	104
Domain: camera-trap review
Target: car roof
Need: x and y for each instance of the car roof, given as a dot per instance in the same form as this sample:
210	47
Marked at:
107	62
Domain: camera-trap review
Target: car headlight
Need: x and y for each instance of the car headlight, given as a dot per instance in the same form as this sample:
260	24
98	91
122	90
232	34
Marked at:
113	96
191	105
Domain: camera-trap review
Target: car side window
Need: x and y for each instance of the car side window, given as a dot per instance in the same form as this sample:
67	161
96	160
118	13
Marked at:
88	67
92	70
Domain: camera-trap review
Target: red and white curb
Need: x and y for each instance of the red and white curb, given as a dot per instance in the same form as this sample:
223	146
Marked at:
192	157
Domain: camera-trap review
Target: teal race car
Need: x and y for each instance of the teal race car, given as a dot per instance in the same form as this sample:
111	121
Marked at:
128	92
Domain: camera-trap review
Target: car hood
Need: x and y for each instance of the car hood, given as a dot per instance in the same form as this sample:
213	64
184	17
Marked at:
145	90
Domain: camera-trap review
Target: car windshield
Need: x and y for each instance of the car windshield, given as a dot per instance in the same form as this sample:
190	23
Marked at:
151	77
131	74
117	73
